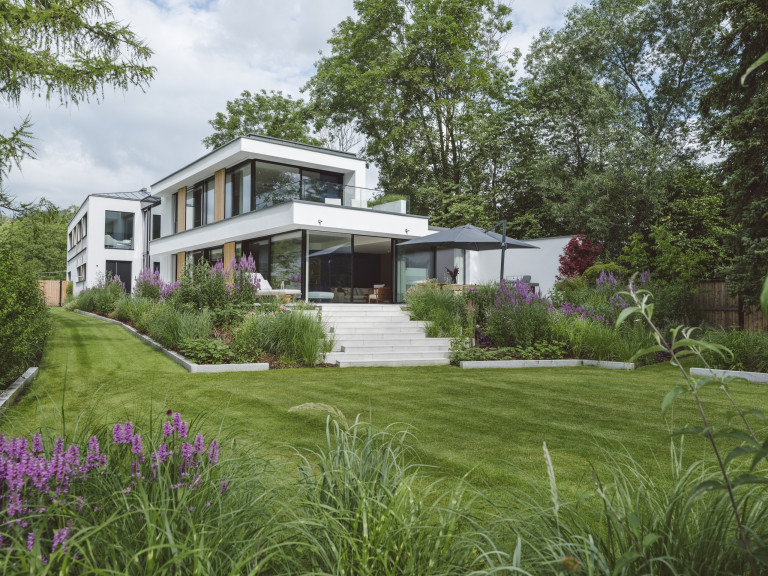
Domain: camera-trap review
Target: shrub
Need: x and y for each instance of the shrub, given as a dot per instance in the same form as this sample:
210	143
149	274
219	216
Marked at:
148	284
206	351
518	317
749	349
103	297
593	272
291	336
201	286
579	254
24	322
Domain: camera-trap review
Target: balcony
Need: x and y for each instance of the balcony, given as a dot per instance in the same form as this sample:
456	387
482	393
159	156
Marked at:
323	192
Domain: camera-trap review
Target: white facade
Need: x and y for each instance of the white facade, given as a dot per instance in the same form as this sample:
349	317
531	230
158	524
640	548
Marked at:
91	250
541	265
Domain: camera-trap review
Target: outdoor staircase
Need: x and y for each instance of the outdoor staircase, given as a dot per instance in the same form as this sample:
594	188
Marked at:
380	335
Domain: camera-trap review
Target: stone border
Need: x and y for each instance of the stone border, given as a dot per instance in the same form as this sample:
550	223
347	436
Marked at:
759	377
179	359
11	394
472	364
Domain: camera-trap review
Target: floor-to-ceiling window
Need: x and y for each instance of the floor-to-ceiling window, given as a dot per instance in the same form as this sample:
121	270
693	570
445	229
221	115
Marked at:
373	267
237	197
321	187
329	267
286	261
122	270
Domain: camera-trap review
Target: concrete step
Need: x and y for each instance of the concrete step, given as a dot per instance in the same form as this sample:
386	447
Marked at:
373	331
375	348
377	355
384	340
394	363
370	323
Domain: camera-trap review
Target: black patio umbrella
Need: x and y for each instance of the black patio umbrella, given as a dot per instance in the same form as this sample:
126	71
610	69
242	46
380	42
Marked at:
471	237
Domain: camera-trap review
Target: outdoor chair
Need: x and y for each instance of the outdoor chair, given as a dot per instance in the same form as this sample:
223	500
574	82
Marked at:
380	293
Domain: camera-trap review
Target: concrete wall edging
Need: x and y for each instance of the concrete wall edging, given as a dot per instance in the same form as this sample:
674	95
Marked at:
178	358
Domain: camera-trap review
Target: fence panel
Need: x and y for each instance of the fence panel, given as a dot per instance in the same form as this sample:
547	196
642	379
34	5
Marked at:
719	308
54	291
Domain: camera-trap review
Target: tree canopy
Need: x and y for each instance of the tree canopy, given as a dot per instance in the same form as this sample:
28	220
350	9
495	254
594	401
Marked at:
269	114
69	50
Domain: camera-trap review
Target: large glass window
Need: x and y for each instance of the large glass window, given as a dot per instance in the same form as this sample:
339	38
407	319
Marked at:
286	261
193	207
330	267
274	184
259	251
118	230
414	264
121	270
238	191
156	221
321	187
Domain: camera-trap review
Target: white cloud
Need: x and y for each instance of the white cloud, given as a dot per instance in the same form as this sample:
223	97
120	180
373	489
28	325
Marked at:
206	53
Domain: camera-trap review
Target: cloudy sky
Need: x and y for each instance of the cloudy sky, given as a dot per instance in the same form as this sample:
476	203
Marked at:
206	52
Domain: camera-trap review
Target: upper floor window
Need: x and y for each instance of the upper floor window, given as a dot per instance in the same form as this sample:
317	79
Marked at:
200	203
156	221
118	230
274	184
237	196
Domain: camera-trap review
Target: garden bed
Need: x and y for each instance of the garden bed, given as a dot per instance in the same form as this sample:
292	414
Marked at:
10	394
179	359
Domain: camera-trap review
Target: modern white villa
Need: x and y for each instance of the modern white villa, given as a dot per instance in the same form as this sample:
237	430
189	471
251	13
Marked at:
304	213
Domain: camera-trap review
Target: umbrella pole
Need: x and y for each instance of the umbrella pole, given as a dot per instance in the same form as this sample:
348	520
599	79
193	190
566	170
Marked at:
503	249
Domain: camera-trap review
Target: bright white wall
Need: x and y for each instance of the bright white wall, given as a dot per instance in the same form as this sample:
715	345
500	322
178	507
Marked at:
541	264
95	255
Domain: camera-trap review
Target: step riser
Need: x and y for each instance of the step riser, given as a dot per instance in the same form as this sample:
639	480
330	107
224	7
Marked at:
389	349
410	343
393	363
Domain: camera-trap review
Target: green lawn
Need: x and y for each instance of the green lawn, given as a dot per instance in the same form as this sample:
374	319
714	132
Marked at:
489	424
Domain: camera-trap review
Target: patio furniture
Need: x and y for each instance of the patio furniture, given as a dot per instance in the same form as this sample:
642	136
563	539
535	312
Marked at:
265	289
380	293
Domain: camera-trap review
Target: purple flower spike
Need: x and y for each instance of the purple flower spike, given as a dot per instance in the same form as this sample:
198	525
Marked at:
30	541
213	453
117	434
167	429
60	537
37	443
177	420
199	444
182	429
136	444
127	432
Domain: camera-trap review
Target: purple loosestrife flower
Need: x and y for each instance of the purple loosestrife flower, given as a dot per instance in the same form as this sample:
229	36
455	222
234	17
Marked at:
213	453
37	443
127	432
117	434
182	430
30	541
176	420
199	444
136	447
167	429
60	537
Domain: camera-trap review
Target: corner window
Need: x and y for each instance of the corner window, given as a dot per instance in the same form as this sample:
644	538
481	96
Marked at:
237	196
118	230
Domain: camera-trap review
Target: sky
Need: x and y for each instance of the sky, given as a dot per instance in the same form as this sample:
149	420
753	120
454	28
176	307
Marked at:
206	53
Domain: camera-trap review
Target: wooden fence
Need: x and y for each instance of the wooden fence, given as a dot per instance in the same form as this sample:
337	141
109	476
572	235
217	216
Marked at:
55	291
721	309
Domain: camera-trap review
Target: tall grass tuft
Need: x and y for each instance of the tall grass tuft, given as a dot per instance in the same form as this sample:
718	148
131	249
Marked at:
295	337
443	310
169	326
630	524
361	512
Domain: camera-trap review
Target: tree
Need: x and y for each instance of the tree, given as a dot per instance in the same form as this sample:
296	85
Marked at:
737	118
423	82
612	99
37	236
268	114
68	49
